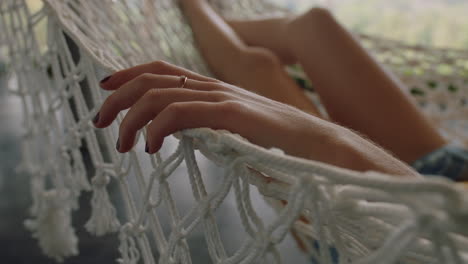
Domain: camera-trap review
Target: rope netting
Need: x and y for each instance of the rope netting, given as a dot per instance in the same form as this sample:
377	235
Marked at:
340	216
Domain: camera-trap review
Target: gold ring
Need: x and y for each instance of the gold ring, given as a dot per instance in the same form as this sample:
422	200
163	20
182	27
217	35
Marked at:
183	81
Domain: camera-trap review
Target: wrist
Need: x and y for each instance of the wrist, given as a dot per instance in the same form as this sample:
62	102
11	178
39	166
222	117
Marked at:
344	148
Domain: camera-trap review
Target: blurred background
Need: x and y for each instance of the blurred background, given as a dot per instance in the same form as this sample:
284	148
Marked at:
442	23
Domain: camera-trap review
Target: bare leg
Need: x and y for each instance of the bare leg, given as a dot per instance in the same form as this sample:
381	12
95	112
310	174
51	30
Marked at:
356	91
231	60
267	33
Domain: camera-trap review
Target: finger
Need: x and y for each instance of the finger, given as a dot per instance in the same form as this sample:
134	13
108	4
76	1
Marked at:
158	67
185	115
128	94
152	103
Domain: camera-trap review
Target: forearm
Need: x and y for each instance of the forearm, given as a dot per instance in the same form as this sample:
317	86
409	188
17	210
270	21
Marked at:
344	148
218	43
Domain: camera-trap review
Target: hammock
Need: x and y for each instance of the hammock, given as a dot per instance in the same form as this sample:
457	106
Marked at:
340	216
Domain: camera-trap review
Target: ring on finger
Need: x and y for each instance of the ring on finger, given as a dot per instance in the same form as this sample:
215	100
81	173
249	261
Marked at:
183	81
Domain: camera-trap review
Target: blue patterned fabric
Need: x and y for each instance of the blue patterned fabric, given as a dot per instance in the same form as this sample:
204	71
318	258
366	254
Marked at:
449	161
335	258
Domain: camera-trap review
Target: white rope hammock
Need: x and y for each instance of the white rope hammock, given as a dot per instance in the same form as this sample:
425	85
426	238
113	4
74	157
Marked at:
341	216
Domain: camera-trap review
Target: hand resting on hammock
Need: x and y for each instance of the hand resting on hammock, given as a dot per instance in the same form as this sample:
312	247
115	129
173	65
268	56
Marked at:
152	94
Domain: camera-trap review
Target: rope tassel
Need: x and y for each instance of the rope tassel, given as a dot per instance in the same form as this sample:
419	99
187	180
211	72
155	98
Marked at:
103	218
52	226
128	248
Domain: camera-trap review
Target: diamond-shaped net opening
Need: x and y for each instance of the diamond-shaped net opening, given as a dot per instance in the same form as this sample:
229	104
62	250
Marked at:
171	207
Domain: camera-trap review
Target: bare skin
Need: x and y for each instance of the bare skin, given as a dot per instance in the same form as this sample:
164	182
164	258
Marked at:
255	69
355	90
151	93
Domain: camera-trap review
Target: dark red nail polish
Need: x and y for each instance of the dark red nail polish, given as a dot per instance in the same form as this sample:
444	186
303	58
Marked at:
147	148
105	79
96	118
117	146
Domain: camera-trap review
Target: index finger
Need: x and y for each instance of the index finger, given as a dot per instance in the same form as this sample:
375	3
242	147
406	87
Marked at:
119	78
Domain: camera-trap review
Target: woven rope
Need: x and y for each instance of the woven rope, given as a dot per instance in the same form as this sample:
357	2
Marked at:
364	217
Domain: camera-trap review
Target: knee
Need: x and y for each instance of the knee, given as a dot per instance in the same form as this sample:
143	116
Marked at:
317	16
318	13
259	60
313	24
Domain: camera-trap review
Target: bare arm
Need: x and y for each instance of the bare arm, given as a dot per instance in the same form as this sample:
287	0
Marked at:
215	38
149	91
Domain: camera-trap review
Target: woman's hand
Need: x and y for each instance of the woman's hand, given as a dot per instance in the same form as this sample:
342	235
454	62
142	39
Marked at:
153	94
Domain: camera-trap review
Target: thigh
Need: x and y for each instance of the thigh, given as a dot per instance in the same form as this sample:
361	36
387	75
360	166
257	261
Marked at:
358	92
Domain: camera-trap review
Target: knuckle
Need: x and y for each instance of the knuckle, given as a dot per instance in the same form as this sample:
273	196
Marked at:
112	101
176	109
232	106
159	64
221	96
144	78
151	95
231	109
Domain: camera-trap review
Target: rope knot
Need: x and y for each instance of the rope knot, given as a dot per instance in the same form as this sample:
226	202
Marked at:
101	180
128	249
277	151
432	221
103	218
128	229
213	142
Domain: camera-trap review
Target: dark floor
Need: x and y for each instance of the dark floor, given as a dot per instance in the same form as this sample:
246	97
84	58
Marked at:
16	244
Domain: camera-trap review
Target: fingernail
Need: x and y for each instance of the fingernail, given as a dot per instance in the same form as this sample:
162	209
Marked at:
117	146
96	118
105	79
147	148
